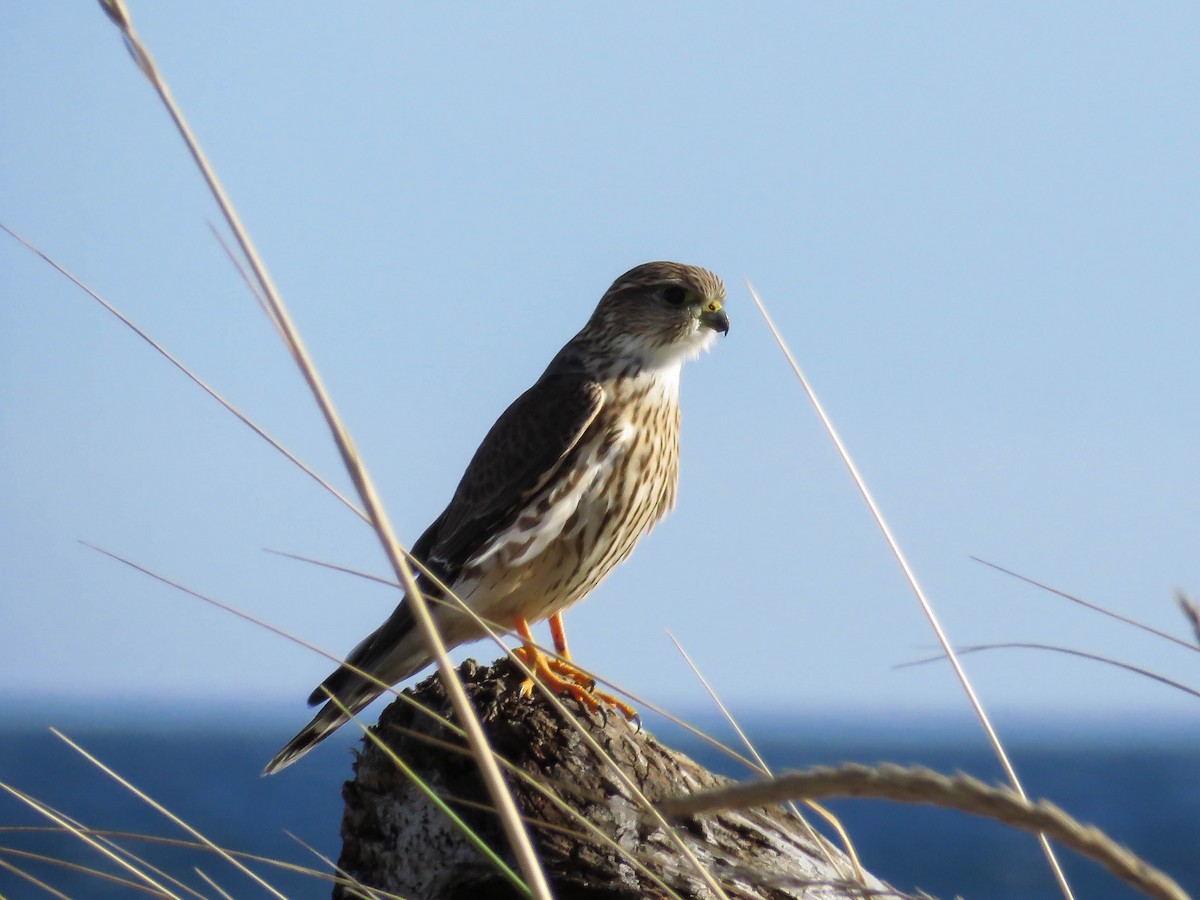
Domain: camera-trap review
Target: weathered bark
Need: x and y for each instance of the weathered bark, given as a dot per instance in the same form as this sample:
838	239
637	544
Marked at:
397	841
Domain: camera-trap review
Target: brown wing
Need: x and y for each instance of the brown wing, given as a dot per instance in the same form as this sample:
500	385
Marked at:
521	453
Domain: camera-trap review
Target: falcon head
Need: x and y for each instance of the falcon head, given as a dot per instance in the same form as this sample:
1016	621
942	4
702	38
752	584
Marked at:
660	313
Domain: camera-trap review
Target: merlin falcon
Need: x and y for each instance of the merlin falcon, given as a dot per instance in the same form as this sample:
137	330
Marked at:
573	473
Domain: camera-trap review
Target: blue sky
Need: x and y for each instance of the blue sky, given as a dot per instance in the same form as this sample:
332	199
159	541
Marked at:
976	225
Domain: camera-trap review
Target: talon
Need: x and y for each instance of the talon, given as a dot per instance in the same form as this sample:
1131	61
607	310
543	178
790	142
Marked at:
603	715
620	706
563	677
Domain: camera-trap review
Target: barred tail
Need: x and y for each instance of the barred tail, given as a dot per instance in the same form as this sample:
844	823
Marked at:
391	653
324	723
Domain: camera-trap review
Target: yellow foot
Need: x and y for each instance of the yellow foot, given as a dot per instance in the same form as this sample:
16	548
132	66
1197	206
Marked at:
563	677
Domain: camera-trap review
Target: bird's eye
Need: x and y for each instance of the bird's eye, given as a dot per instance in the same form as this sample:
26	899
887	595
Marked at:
674	295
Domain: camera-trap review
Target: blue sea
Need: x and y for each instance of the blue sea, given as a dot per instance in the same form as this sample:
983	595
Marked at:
1140	782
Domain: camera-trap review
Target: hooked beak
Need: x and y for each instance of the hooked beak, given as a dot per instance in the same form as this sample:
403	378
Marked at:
713	316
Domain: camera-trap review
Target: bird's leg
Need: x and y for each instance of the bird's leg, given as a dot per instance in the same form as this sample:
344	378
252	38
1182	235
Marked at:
562	665
550	671
558	634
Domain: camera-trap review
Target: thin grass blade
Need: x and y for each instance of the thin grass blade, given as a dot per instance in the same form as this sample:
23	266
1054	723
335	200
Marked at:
913	583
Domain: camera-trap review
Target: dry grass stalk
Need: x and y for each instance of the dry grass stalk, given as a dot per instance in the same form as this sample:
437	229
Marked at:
818	840
961	792
1067	651
1095	607
519	839
910	576
122	858
159	808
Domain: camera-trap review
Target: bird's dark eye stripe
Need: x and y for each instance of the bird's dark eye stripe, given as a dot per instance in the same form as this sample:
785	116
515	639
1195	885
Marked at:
674	294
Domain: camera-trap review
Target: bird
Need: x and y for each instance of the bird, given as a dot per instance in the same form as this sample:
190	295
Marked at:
568	479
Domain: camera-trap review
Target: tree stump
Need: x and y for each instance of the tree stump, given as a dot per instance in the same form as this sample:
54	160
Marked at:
395	840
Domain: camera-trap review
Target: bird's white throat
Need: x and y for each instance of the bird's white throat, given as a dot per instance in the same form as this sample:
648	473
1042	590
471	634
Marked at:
665	359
